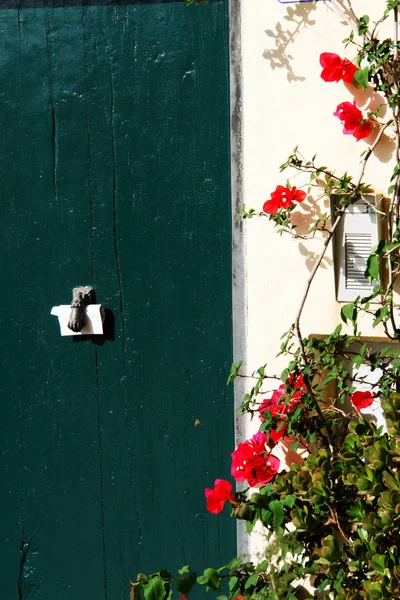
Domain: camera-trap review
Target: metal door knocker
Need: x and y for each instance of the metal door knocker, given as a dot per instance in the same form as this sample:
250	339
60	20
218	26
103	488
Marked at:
82	316
81	297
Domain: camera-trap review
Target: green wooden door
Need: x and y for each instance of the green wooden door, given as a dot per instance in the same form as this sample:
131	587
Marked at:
115	173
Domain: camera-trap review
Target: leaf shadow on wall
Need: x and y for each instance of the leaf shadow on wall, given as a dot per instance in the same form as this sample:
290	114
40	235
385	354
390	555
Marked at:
303	218
369	101
339	8
311	258
279	57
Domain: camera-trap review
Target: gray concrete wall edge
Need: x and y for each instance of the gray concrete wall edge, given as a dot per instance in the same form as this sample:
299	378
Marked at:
239	285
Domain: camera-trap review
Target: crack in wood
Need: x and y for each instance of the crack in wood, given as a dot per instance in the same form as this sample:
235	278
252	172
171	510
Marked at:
88	158
52	109
23	554
103	536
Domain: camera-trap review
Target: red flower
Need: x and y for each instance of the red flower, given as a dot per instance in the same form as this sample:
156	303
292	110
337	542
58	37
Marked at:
297	382
283	197
251	461
352	118
335	68
362	399
277	406
216	498
277	409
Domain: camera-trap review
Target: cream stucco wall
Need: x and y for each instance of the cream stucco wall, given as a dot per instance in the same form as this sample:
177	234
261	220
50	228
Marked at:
285	103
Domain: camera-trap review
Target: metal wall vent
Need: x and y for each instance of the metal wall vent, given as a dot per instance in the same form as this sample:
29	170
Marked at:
354	239
358	247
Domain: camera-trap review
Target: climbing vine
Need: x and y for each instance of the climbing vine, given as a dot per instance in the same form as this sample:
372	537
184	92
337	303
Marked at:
332	518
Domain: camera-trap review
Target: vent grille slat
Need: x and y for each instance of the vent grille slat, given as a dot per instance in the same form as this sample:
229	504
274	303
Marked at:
357	250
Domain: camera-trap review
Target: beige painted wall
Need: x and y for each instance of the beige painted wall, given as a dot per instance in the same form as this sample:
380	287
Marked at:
285	103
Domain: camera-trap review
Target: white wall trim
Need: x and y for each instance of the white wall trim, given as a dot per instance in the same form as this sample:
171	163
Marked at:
239	279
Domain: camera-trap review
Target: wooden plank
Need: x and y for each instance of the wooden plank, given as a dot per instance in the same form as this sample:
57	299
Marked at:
116	125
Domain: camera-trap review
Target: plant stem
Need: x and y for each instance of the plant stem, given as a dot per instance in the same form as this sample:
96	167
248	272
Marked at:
330	236
318	264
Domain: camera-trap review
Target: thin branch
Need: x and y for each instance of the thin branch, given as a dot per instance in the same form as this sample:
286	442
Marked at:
335	409
335	519
395	203
344	12
317	265
259	377
330	236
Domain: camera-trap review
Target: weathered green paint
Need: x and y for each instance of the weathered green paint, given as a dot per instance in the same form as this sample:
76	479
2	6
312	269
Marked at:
115	173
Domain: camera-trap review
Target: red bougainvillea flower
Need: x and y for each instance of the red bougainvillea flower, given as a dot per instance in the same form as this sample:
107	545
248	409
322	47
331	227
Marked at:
362	399
252	463
352	118
216	498
297	381
274	405
278	408
335	68
283	197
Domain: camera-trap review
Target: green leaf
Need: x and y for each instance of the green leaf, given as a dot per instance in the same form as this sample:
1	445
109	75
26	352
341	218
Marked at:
381	314
378	562
363	26
232	583
185	584
252	581
235	563
277	509
213	579
322	586
372	270
250	526
392	482
348	312
362	533
362	77
234	371
333	374
363	484
263	566
359	358
155	589
289	501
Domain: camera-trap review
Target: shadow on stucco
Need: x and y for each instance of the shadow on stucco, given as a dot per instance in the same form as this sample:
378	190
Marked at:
303	218
369	101
338	7
385	149
311	257
297	18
